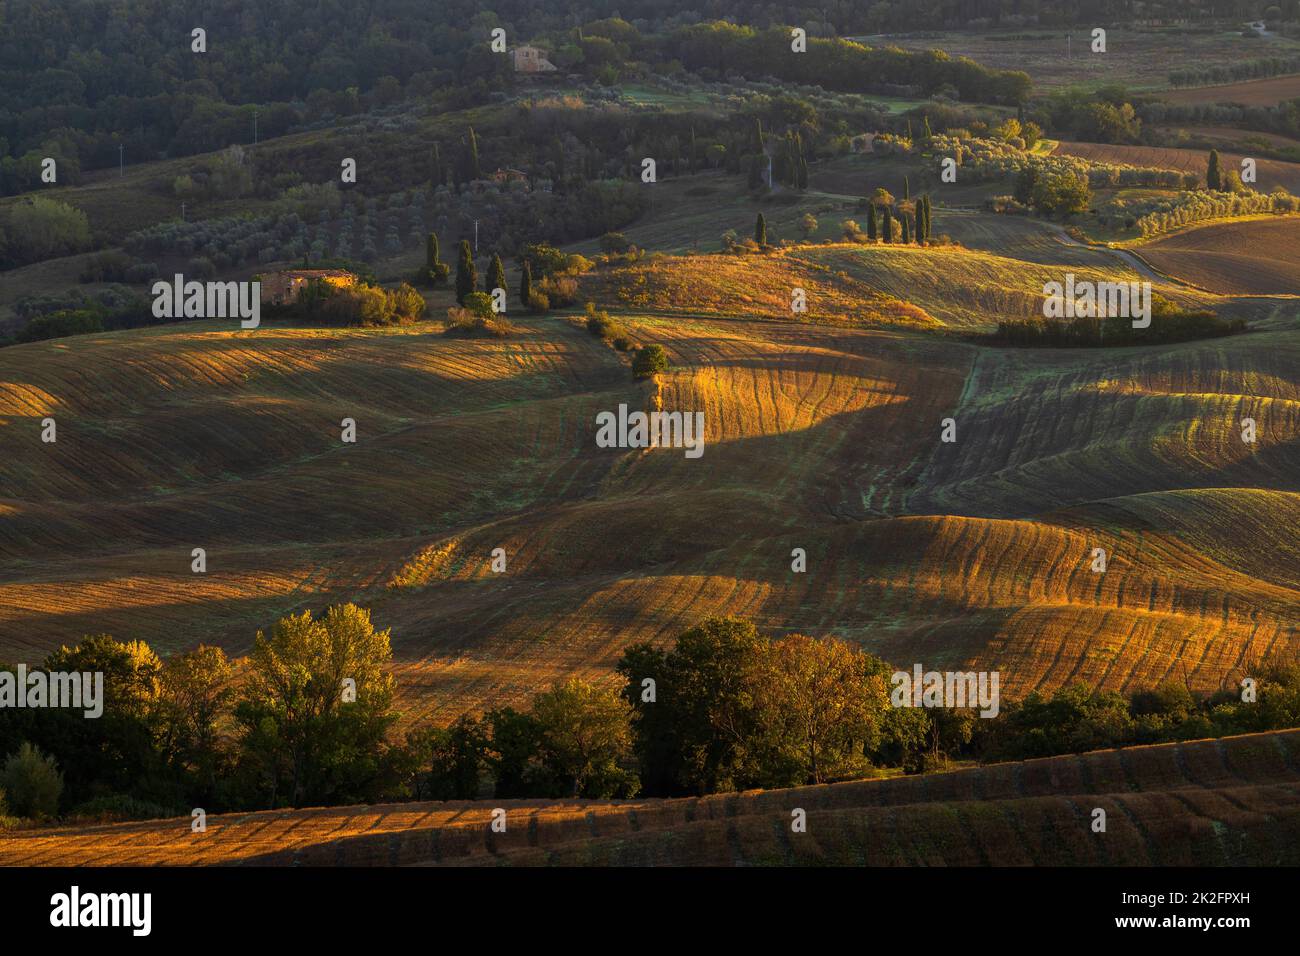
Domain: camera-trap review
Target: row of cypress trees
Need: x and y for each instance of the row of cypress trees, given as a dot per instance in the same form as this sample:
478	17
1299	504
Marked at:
436	272
883	228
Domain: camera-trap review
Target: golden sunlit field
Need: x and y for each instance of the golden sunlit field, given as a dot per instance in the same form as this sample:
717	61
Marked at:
379	547
821	433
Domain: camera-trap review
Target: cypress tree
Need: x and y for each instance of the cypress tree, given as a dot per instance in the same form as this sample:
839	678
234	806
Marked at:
496	277
907	230
434	270
756	172
526	283
871	222
1214	174
760	230
466	274
907	189
928	134
887	226
472	170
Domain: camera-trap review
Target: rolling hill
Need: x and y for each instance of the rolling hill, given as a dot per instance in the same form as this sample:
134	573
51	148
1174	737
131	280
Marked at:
821	433
1229	257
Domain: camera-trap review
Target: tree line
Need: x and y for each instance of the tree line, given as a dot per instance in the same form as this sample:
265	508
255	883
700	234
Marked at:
309	719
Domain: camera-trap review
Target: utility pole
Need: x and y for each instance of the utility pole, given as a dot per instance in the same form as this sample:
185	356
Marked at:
121	163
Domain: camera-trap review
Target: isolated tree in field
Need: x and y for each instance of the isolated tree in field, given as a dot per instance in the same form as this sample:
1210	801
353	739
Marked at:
760	230
808	225
649	361
1214	172
466	273
871	222
496	277
435	269
1062	193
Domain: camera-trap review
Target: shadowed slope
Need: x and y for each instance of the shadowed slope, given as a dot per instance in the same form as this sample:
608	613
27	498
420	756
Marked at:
1225	802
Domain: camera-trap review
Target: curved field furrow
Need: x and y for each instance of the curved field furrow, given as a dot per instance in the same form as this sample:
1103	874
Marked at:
1178	803
1260	257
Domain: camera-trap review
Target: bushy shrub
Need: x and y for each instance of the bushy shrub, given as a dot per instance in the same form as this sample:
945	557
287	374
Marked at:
57	325
112	265
605	328
1169	323
649	361
32	783
560	291
359	305
117	806
465	322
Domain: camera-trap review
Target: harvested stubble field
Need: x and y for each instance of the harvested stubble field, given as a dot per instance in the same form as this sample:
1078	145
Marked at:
876	284
820	434
1229	802
1137	58
1266	92
1260	257
1271	173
